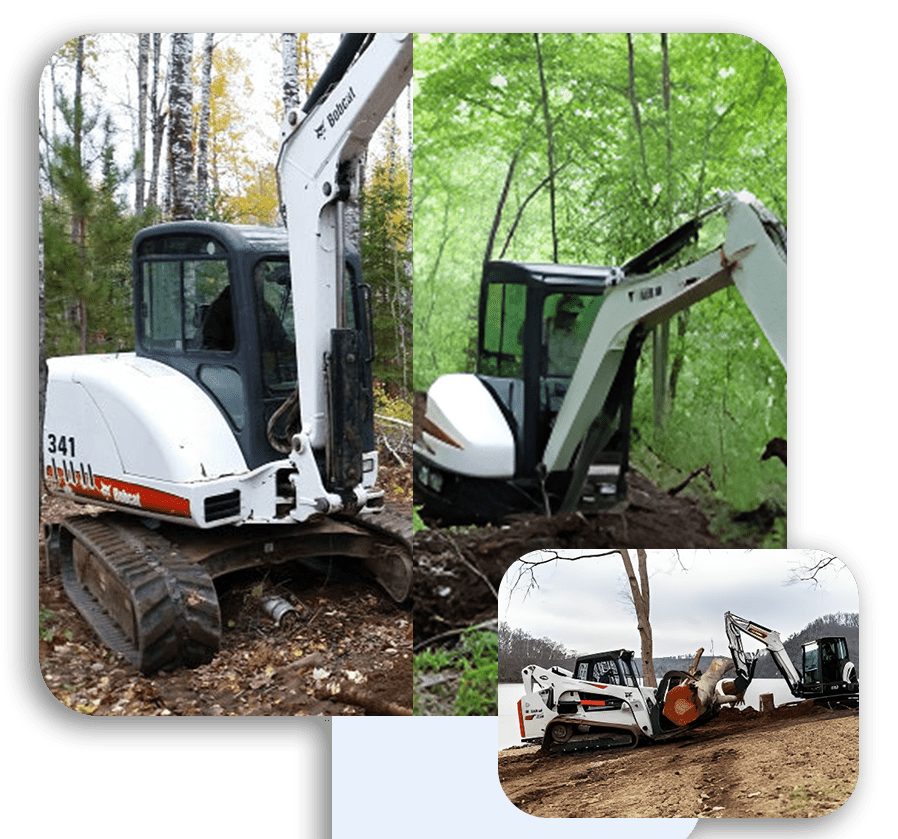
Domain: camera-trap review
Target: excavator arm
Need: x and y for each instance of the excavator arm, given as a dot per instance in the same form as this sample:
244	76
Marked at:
746	662
752	258
322	146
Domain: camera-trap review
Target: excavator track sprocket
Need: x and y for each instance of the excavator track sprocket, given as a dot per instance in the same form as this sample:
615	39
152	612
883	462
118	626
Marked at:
145	601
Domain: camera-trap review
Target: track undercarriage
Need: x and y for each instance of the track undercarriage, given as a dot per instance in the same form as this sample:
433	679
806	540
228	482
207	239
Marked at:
571	734
148	590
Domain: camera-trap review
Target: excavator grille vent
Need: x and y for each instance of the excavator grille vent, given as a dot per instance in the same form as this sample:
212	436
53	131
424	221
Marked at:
218	507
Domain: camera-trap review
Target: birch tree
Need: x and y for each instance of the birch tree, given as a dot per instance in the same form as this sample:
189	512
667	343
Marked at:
143	65
290	65
180	129
202	165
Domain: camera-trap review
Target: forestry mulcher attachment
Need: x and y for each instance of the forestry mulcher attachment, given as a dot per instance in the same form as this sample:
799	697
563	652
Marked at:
240	431
827	675
601	705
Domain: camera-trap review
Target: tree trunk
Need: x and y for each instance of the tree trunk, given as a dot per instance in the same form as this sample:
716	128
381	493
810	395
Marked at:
143	60
290	61
202	178
550	148
180	129
158	126
639	589
686	702
41	344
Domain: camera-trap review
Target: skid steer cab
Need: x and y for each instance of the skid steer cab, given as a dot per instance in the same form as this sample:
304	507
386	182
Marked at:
202	422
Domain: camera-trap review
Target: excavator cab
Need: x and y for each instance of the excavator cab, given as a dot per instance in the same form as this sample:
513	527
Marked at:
534	322
214	301
824	662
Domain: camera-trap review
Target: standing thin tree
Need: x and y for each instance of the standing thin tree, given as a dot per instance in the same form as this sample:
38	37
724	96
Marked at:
180	129
639	589
143	61
202	167
290	61
158	125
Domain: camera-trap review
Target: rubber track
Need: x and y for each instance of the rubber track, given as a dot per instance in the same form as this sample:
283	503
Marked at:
174	604
392	530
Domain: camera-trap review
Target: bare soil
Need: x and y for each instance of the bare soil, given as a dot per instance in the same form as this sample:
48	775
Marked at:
794	761
458	570
345	651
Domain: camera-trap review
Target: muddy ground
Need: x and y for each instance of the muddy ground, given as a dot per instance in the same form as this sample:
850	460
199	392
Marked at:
346	651
788	763
458	569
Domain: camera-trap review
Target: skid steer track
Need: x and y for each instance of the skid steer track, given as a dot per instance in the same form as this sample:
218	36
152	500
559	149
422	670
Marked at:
602	738
144	600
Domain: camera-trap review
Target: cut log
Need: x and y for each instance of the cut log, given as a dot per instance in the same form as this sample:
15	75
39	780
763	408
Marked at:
686	702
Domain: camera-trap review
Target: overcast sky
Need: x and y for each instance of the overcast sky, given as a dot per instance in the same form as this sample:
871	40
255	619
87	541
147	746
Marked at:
581	604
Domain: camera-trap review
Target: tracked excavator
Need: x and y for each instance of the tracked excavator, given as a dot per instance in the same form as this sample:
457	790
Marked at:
601	703
239	432
544	423
827	674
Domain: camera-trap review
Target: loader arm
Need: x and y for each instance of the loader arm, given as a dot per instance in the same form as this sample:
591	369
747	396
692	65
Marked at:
748	258
322	147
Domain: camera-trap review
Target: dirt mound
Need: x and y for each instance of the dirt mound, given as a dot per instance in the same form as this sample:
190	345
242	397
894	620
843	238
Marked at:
457	570
797	761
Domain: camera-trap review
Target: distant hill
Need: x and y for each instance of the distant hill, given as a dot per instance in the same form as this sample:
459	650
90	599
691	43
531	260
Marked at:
519	650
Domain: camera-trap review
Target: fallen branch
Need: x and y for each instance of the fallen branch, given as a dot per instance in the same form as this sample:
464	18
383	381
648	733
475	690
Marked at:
706	469
470	564
406	423
391	450
489	624
352	695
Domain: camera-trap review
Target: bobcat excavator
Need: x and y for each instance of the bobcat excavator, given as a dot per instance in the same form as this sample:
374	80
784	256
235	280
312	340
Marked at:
240	431
544	424
827	674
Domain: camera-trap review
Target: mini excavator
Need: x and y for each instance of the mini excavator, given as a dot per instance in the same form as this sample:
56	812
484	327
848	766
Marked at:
544	423
239	432
827	674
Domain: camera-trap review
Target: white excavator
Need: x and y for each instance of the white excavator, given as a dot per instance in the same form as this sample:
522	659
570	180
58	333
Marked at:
827	674
544	423
240	431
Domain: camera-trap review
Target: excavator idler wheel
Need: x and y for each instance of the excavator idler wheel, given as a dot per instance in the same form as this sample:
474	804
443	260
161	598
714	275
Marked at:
561	732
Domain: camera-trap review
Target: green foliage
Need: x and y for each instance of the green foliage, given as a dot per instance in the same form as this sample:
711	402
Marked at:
642	129
475	662
386	267
417	522
87	249
48	626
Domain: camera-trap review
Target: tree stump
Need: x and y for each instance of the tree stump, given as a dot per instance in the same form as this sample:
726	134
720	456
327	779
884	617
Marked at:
766	702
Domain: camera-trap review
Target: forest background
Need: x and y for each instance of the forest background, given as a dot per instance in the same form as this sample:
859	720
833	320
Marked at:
136	129
586	149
